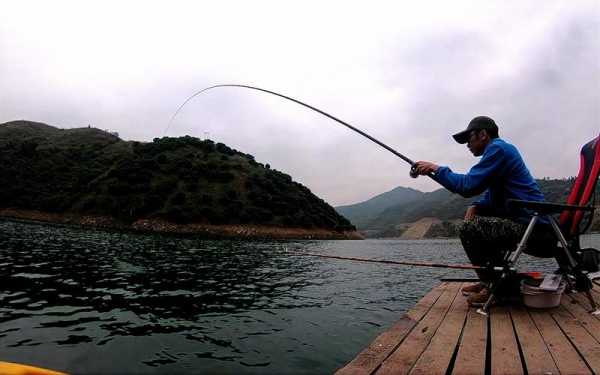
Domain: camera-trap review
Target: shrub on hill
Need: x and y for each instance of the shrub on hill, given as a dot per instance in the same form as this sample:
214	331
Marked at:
184	179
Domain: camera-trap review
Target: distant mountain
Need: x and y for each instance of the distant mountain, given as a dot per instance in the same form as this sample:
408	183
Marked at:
389	218
361	214
181	180
440	204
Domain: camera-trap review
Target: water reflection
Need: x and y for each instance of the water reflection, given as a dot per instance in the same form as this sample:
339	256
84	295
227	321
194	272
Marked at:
99	302
153	277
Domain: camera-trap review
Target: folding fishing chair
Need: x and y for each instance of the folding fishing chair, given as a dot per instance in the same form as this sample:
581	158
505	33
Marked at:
578	266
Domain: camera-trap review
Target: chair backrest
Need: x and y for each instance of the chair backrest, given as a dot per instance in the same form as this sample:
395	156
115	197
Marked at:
583	188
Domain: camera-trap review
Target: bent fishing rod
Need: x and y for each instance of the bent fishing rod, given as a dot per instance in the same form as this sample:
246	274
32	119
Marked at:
413	172
488	267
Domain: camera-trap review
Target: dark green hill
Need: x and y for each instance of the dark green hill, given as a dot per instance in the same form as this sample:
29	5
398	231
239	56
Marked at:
183	180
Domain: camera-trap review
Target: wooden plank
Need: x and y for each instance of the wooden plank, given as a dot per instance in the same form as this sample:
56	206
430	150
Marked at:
470	358
536	355
436	358
427	302
370	358
577	305
565	356
504	351
588	346
405	356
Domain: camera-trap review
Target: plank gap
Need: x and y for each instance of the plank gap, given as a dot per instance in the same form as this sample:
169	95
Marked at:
457	346
534	350
504	351
579	337
519	348
544	340
438	353
581	357
565	357
488	347
437	328
403	359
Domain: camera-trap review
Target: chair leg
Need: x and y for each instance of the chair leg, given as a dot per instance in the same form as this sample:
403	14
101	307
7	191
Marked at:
574	268
563	242
595	309
507	268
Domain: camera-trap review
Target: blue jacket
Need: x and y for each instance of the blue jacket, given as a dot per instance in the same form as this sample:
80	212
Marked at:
502	174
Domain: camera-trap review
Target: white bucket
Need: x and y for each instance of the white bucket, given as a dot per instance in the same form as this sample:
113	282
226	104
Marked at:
535	297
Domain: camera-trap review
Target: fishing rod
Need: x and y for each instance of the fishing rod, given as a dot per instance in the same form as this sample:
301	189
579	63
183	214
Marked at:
417	264
413	172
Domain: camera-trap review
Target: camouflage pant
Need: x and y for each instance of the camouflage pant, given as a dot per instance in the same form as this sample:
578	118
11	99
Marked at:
487	240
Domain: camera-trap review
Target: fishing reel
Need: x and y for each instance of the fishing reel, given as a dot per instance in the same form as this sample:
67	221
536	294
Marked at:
413	171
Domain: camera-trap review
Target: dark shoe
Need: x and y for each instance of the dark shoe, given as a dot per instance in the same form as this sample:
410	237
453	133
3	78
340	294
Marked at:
479	299
473	288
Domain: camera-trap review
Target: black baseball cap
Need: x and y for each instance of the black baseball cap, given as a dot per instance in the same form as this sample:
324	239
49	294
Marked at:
478	123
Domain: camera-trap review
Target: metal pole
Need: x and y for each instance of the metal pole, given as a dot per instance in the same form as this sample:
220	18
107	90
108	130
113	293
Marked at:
523	242
563	241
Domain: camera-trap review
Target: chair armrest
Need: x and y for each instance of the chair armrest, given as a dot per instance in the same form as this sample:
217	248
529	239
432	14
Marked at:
546	208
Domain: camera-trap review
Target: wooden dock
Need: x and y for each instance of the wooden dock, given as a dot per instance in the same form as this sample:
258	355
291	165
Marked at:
443	335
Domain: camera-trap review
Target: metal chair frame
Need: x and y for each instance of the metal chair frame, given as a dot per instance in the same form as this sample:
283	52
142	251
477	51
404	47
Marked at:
571	218
543	210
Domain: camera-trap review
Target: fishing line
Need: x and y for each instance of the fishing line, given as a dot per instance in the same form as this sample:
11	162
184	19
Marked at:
416	264
406	159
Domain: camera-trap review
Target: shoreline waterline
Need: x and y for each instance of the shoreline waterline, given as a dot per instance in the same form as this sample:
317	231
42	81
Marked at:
208	231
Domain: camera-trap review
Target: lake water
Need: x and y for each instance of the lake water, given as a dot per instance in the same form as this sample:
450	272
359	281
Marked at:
102	302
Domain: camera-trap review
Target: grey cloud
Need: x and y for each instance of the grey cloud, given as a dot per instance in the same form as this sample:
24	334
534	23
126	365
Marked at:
549	108
420	89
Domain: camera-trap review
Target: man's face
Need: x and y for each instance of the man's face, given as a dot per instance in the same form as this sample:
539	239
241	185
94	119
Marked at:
477	141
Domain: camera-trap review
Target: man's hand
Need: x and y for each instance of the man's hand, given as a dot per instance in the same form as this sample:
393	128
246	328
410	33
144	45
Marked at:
425	168
471	212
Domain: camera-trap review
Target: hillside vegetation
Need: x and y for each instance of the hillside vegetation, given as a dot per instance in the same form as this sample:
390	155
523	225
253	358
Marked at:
182	180
409	206
363	214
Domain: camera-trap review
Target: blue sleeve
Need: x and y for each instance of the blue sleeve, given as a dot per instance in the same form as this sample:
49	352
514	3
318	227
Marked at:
485	201
478	178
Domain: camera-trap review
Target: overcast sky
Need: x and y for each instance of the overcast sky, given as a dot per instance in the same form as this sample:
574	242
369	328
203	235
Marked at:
408	73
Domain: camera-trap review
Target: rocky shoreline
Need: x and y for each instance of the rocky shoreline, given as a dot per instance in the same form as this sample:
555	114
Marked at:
241	231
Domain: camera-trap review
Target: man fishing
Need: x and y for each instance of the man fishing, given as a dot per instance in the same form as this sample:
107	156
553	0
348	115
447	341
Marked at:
491	228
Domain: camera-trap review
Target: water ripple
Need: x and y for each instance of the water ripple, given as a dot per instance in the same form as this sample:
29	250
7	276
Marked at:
109	302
